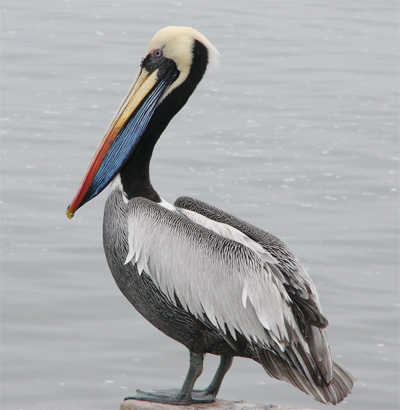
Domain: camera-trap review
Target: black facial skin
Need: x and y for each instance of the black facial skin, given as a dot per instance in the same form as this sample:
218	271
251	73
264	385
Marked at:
156	60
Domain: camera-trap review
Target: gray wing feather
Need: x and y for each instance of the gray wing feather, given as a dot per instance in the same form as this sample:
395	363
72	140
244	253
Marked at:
196	265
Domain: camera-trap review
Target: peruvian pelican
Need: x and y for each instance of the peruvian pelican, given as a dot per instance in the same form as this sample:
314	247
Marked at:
209	280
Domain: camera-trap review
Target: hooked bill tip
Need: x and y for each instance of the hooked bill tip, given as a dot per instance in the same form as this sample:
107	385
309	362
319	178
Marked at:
70	214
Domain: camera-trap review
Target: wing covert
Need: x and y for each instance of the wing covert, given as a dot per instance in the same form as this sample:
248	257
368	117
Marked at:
294	277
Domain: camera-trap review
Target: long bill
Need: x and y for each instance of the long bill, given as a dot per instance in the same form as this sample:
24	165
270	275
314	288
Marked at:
123	134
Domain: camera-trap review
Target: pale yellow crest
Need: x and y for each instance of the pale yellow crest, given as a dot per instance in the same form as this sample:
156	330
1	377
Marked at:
177	44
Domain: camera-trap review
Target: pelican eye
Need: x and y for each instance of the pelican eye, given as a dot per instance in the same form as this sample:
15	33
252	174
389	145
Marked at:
157	52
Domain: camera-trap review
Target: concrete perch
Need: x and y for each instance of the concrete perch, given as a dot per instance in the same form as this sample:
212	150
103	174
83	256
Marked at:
217	405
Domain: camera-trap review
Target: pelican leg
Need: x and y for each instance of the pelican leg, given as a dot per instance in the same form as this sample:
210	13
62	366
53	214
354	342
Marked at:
175	396
210	393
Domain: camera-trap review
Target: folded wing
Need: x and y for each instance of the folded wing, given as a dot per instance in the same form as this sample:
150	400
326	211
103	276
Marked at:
213	276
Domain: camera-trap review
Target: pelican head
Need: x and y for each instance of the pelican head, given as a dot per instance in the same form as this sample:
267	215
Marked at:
175	62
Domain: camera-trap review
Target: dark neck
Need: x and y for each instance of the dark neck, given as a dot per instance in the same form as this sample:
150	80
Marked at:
135	175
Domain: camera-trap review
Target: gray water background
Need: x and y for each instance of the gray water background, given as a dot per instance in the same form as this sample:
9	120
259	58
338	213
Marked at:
297	132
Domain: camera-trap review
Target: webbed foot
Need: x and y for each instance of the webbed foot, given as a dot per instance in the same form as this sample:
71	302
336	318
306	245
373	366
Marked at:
172	396
186	395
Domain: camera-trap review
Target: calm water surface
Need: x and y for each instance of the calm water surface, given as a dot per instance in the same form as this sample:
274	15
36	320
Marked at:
297	133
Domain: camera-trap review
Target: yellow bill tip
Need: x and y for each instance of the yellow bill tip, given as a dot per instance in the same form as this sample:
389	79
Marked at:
70	214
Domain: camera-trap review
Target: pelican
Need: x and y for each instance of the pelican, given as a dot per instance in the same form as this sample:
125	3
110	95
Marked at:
207	279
